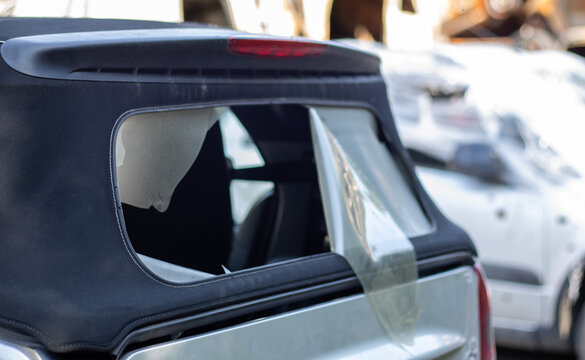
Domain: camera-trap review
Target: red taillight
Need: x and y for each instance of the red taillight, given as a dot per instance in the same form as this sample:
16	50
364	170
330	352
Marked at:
487	344
275	48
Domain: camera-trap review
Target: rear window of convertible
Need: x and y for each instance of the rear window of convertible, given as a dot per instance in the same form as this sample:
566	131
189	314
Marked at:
221	189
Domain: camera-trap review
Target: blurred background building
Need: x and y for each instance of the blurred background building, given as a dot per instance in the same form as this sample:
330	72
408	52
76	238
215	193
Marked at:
532	24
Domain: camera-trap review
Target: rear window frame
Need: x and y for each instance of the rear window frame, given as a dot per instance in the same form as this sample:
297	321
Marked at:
383	134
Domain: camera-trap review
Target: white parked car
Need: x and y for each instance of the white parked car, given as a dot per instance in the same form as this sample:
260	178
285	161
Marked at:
496	135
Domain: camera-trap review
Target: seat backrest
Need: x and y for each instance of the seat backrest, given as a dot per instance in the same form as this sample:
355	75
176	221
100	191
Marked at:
196	229
251	232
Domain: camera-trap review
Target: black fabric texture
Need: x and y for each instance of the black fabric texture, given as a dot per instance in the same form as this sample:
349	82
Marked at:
68	274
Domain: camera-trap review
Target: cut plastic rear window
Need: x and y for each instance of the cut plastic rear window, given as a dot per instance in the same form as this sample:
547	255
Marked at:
212	190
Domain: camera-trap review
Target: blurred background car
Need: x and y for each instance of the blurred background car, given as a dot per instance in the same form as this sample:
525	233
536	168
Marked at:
496	134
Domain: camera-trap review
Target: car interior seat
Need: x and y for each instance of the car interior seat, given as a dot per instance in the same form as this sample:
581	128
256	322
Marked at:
253	233
196	229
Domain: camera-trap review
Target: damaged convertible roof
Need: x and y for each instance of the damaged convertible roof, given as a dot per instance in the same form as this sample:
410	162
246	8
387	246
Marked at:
69	276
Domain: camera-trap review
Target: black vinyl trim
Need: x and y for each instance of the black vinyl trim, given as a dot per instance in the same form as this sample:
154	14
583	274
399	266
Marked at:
349	285
438	264
227	289
511	274
322	292
313	292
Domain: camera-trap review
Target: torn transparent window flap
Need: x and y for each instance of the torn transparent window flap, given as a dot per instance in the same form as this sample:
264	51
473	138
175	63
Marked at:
363	230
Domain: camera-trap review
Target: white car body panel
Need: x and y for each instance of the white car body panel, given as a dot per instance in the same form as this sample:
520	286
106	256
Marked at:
537	232
533	226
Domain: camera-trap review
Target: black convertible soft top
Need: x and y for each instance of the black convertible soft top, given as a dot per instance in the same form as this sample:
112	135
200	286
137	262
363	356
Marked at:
68	274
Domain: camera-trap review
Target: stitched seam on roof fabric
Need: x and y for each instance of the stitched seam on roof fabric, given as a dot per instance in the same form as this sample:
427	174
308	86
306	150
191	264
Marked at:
116	208
25	326
125	329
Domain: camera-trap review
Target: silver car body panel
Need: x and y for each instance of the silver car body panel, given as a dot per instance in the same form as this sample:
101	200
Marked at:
10	351
346	329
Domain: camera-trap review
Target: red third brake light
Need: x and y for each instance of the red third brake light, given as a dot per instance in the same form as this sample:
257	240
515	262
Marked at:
487	343
274	48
